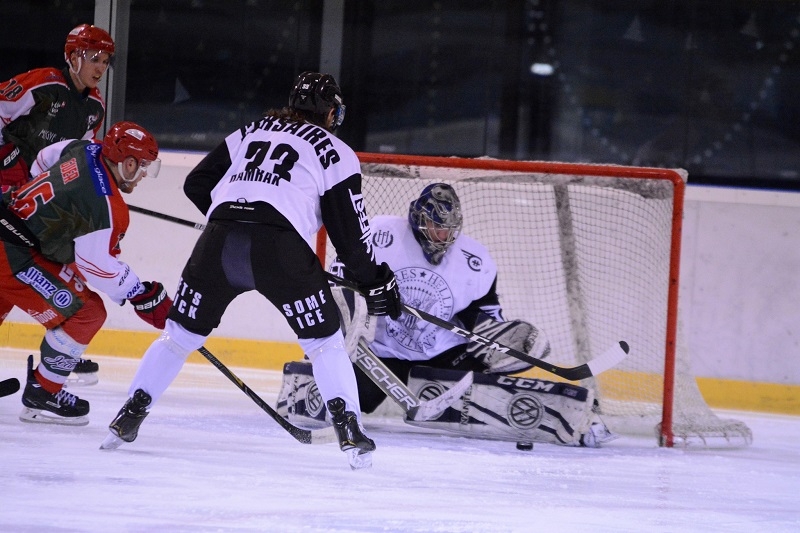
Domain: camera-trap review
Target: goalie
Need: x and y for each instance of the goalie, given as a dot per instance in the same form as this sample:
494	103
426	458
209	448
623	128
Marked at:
452	276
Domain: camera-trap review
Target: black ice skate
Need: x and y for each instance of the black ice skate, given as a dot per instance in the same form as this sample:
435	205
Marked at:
84	374
125	426
351	437
42	407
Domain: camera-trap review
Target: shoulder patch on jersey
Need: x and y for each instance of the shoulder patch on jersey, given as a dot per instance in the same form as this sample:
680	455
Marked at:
382	238
473	261
23	83
101	179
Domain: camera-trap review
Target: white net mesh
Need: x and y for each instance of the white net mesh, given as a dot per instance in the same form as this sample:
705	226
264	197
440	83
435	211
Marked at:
586	258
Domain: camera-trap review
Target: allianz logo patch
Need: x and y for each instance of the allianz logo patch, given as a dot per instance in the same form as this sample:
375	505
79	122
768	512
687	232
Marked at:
34	277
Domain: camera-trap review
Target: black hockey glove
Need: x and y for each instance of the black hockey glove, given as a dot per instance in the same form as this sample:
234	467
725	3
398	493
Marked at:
382	296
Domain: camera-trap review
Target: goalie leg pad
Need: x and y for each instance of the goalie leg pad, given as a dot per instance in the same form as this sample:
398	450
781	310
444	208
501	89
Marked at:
299	400
355	321
508	408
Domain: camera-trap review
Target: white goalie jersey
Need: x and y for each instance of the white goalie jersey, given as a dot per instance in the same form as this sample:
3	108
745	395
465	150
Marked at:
466	274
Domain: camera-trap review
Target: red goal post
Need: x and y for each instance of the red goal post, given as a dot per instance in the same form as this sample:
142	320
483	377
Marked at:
591	255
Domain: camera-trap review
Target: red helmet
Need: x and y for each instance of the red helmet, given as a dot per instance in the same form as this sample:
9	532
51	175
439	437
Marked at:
126	139
88	37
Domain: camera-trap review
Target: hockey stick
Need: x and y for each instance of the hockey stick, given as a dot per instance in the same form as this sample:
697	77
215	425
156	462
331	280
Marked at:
390	384
601	363
9	386
170	218
306	436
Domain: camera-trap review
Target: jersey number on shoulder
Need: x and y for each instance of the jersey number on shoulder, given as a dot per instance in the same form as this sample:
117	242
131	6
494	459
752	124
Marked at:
12	90
25	203
284	154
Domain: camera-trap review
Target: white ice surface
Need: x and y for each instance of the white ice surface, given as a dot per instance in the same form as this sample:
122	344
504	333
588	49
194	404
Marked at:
208	459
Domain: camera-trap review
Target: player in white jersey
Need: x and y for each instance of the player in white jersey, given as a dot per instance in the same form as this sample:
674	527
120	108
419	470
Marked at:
265	190
452	276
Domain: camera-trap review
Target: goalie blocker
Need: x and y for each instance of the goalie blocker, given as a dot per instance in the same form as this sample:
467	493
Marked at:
516	334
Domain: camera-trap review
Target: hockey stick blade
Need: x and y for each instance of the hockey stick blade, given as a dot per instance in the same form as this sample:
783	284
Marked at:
608	359
305	436
394	388
9	386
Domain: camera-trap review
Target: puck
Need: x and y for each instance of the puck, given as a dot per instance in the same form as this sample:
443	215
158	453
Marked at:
525	446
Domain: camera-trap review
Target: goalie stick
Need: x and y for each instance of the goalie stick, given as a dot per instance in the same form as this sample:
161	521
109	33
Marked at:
601	363
9	386
306	436
395	389
608	359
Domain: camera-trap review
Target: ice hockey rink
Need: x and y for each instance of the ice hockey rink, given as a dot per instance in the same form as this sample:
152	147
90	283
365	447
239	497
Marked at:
208	459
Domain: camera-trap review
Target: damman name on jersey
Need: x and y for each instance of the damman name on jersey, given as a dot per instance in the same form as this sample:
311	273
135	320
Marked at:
257	174
316	136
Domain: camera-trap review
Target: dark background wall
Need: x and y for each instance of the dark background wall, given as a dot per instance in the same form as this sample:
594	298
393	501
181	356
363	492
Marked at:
707	85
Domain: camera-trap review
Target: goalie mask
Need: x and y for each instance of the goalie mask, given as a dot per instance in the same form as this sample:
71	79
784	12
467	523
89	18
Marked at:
435	219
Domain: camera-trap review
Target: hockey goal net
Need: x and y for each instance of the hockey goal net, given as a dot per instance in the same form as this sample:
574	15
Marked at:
590	254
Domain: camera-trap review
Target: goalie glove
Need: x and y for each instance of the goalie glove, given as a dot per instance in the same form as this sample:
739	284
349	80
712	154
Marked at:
356	322
153	304
516	334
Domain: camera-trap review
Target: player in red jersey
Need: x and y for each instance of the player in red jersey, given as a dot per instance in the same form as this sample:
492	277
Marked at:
71	217
47	105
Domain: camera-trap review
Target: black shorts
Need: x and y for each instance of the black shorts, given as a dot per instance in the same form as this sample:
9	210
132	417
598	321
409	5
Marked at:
233	257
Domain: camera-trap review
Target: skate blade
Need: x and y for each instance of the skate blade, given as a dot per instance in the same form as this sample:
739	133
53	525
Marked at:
38	416
359	459
82	380
111	442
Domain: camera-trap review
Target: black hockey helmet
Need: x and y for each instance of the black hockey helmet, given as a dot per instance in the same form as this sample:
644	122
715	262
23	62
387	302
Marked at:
435	219
318	94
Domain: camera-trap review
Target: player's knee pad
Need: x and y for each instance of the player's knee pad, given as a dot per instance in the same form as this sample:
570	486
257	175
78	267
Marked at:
87	321
299	399
180	340
508	408
314	348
